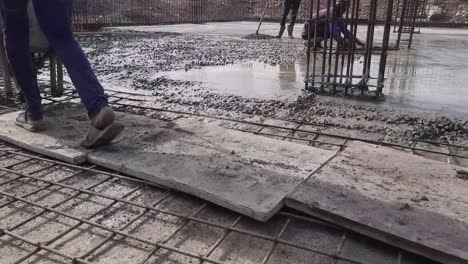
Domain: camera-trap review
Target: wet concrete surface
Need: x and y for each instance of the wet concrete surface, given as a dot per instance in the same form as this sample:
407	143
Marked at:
432	74
428	76
210	69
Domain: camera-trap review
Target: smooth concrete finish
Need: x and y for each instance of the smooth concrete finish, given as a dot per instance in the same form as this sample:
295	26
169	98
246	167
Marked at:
414	203
243	172
67	125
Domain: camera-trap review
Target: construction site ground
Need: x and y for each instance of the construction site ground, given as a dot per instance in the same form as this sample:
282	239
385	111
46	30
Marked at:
210	69
55	212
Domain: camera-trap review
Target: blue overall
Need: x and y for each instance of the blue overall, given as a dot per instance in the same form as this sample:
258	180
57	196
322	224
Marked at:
54	18
335	29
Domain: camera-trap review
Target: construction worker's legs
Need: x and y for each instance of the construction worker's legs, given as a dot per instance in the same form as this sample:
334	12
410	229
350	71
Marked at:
54	17
16	30
286	8
295	10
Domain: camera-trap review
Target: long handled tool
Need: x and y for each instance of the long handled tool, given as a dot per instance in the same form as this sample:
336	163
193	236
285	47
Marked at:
263	15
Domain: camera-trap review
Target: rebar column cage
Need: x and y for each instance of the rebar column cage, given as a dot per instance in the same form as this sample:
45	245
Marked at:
410	14
338	63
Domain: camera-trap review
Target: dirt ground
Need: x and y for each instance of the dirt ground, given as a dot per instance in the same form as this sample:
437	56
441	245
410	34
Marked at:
133	63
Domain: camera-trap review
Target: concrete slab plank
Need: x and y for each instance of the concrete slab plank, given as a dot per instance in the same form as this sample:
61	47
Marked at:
246	173
66	126
404	200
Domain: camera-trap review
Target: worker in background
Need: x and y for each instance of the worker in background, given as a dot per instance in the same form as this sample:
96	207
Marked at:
337	30
55	20
293	6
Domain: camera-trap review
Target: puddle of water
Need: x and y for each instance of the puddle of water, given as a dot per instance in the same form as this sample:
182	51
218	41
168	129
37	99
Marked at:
431	76
249	79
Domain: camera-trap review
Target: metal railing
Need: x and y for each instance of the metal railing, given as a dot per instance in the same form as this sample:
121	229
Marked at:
92	14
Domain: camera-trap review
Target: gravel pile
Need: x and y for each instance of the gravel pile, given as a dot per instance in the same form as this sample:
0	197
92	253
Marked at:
259	36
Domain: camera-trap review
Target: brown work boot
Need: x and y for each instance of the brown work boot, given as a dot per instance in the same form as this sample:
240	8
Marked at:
290	32
30	125
102	129
281	31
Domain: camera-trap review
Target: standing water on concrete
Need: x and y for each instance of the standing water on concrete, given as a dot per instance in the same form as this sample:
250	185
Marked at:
433	73
430	76
249	79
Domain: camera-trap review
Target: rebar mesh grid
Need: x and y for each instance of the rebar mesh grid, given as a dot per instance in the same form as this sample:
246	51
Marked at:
47	205
54	211
299	132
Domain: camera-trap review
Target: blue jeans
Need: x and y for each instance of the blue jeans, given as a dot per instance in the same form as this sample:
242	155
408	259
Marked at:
54	17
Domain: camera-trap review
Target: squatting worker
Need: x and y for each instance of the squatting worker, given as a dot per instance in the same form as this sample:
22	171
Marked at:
293	6
54	17
337	30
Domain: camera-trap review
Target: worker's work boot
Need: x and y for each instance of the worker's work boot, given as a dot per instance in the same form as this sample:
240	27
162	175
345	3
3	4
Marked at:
24	121
102	129
290	32
281	31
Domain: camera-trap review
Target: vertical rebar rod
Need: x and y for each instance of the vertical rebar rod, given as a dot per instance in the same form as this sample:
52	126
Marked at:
369	46
333	22
325	46
413	22
352	53
385	41
309	37
316	26
334	27
351	43
401	23
396	16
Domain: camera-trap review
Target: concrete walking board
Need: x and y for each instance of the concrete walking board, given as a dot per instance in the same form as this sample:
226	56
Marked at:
243	172
414	203
67	125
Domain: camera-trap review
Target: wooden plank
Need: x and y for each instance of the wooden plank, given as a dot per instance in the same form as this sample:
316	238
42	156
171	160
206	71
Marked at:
67	124
246	173
410	202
